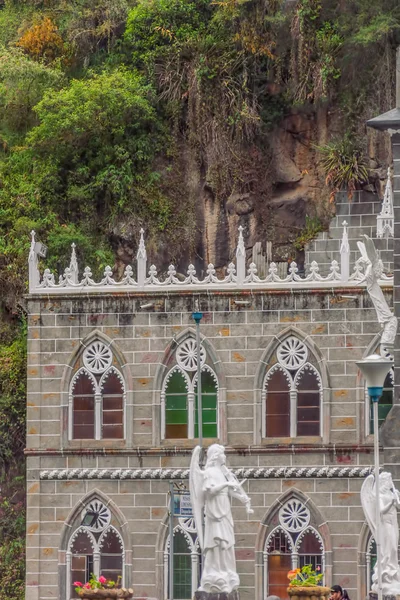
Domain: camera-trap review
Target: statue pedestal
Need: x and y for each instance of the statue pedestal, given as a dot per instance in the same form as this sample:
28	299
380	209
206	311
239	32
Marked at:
216	596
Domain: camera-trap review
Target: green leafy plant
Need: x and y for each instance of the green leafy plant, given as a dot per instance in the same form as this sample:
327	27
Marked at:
311	230
97	583
305	577
344	164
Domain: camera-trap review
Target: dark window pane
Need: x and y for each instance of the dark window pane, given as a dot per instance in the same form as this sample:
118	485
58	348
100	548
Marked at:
306	428
113	432
176	384
112	403
307	381
112	385
278	426
279	543
83	409
82	544
308	414
83	403
112	417
277	382
111	543
305	399
278	406
83	385
309	544
83	432
182	568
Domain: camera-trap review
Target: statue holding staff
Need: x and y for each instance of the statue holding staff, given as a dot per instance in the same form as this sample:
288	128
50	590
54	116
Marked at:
211	489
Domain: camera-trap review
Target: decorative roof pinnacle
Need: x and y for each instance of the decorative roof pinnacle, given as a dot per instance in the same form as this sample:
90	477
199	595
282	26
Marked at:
141	253
240	250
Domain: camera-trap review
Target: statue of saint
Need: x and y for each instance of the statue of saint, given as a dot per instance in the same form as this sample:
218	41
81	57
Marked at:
373	272
211	490
389	501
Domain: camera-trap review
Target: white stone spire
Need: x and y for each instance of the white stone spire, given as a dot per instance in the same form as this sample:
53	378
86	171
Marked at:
240	257
385	219
345	254
141	258
73	265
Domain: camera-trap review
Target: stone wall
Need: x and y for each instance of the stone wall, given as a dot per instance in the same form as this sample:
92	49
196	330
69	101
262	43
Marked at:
240	329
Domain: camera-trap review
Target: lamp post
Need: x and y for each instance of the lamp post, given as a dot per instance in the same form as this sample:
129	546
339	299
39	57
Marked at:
375	368
197	316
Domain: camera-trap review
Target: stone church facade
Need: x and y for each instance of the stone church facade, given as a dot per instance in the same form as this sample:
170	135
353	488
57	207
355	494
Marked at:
112	419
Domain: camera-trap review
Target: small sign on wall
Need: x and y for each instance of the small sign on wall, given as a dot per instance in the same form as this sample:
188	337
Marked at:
182	505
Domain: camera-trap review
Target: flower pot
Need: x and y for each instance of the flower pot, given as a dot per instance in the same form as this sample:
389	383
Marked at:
111	594
312	592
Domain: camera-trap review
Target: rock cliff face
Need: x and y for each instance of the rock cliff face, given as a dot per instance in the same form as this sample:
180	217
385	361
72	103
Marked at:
280	181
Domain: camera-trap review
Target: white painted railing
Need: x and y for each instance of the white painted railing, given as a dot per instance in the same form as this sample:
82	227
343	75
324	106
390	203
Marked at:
235	278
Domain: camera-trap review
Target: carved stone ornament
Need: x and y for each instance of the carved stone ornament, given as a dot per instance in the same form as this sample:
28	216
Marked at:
96	516
294	516
97	358
186	355
292	353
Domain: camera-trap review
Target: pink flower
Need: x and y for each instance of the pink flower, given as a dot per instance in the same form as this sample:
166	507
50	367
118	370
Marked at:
87	586
318	569
102	579
78	584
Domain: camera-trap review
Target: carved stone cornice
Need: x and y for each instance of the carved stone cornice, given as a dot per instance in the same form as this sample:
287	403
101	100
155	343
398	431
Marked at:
243	473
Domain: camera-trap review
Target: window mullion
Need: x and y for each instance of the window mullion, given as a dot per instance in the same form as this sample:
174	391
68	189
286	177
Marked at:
293	413
96	563
190	408
98	416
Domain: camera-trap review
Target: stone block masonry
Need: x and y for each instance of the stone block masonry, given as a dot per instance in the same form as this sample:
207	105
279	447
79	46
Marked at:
241	331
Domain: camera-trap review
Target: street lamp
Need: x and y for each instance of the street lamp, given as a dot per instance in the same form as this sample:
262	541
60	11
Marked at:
197	316
375	368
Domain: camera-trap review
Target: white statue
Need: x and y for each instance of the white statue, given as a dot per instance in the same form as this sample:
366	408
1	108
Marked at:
389	501
373	272
212	489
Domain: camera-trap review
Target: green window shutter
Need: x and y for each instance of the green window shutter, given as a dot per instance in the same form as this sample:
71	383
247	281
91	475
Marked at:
176	413
209	397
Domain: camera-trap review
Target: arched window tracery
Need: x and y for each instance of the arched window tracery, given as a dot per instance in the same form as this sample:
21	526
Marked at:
292	393
95	547
97	397
179	396
290	545
187	563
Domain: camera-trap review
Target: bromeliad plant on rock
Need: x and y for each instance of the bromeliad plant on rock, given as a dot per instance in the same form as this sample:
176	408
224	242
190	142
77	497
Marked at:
102	588
306	583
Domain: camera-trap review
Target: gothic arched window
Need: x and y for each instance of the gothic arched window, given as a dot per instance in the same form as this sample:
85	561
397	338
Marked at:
97	397
291	545
81	550
95	547
187	564
292	393
179	396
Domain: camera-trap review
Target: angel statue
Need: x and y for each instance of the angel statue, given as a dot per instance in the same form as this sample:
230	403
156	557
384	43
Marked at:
389	501
373	272
211	489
